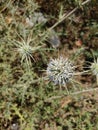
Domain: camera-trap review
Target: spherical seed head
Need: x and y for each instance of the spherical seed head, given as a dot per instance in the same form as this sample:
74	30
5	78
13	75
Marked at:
60	70
94	67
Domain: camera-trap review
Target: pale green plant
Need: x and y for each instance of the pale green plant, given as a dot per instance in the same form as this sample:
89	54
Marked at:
26	50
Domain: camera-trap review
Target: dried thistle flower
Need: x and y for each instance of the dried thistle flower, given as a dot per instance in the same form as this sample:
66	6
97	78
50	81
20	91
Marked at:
29	22
36	18
39	18
60	70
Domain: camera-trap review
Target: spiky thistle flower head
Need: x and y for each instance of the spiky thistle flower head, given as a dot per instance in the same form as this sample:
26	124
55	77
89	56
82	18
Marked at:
60	70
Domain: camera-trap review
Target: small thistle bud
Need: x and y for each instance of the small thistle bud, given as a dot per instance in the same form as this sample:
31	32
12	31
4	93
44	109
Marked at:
94	69
60	70
26	50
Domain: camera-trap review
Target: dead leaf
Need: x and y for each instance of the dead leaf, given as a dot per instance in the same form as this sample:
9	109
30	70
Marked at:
8	19
78	43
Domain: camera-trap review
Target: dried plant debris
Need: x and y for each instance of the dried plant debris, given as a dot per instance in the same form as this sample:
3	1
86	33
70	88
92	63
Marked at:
53	39
36	18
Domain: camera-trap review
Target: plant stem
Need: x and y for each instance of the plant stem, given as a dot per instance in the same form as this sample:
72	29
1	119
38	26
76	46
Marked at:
75	93
67	15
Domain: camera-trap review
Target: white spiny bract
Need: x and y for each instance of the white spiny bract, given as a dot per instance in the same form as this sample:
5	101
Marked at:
60	70
25	50
94	67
